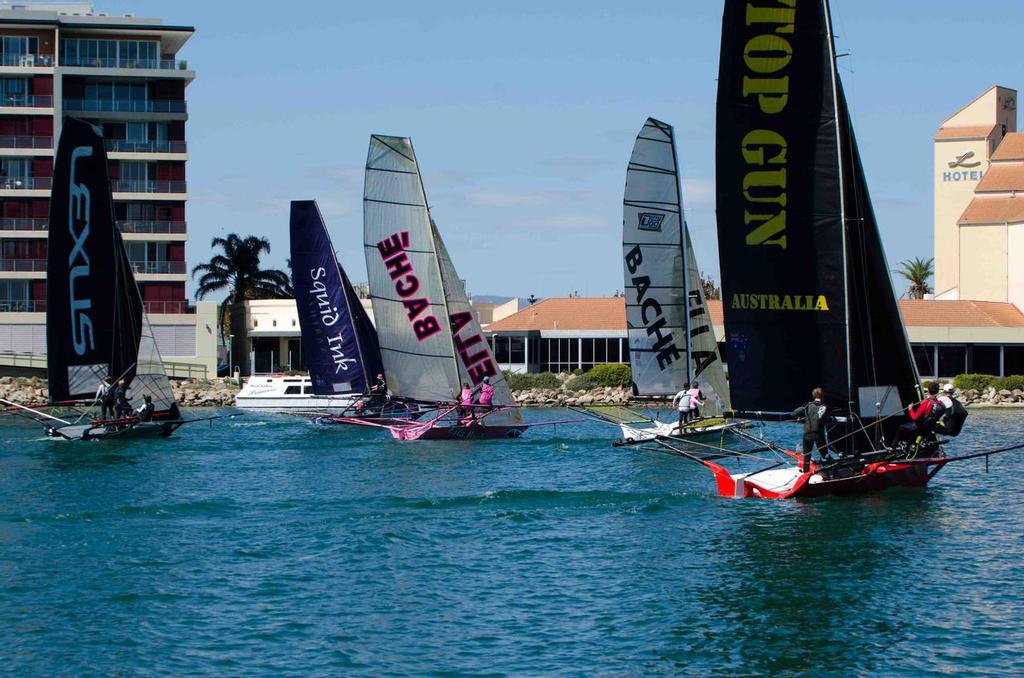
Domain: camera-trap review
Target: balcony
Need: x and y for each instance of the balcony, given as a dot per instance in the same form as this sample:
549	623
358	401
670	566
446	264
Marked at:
114	106
167	307
26	60
26	101
25	183
139	186
125	146
164	267
23	265
8	141
151	227
23	224
152	64
22	306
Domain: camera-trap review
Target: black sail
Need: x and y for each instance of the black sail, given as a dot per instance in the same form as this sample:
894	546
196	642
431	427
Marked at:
93	308
807	296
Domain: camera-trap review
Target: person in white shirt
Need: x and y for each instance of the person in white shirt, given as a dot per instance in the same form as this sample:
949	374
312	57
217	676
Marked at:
946	398
683	402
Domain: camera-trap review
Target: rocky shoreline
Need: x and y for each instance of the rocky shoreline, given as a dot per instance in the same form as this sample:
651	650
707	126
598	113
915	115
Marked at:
221	393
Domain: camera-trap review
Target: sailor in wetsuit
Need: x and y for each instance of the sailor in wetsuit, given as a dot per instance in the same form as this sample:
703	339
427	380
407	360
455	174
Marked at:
121	404
923	417
378	392
146	409
814	415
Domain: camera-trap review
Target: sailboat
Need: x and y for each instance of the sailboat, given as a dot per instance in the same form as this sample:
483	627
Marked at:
95	320
338	339
671	338
807	293
430	340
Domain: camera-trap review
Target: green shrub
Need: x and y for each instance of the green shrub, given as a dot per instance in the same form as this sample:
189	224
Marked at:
522	382
611	375
580	382
1010	382
978	382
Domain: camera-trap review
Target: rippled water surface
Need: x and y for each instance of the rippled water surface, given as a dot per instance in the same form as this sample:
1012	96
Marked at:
274	547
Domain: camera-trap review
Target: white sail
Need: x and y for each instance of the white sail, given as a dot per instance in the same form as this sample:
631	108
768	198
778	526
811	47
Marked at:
474	356
653	264
405	280
706	360
150	373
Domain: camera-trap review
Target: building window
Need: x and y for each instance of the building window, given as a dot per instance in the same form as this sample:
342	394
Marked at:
501	349
14	91
517	350
1013	360
110	53
14	295
924	356
952	360
985	360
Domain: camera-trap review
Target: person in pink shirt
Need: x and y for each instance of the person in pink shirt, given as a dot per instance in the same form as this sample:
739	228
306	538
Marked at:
486	392
465	402
696	400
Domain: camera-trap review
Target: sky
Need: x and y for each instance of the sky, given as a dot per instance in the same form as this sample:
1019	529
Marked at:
523	116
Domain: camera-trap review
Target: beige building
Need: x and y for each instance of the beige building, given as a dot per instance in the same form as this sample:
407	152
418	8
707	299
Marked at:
979	210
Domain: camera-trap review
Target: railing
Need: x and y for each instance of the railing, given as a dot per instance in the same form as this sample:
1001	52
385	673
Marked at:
26	100
22	306
168	307
135	186
151	226
95	62
25	183
125	146
185	370
8	141
12	359
158	266
26	60
23	224
115	106
23	265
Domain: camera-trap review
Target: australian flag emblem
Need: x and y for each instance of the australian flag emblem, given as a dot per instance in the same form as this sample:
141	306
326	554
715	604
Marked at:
650	221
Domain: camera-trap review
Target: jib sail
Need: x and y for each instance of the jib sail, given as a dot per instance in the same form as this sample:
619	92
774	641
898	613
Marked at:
806	291
95	323
338	340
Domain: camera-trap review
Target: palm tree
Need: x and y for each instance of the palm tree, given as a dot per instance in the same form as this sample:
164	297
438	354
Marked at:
238	271
710	287
917	271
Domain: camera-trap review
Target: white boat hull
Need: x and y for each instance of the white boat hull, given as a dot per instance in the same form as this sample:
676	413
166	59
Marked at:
660	429
290	394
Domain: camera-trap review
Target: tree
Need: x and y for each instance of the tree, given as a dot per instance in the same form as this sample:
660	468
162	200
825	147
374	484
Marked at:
710	287
917	271
238	271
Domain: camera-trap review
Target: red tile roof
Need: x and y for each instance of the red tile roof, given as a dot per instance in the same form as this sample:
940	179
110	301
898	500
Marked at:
965	132
1011	147
609	313
1002	177
994	210
961	313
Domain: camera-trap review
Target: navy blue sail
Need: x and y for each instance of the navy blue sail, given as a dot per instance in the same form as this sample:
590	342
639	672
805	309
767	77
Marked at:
338	339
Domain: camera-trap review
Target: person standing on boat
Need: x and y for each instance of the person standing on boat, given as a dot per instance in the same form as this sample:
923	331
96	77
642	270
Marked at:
696	401
683	402
923	417
466	402
814	414
105	395
486	393
121	404
378	392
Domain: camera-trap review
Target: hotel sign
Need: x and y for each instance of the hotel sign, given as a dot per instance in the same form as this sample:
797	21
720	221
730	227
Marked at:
962	169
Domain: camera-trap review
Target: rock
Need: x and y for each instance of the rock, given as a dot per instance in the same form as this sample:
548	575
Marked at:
1006	393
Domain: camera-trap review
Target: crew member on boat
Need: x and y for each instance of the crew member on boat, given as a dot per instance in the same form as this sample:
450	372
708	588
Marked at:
696	401
923	417
121	404
484	393
146	409
814	415
683	402
953	413
105	396
378	392
466	402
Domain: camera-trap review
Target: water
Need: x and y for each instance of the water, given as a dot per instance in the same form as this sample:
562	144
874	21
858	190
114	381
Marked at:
273	547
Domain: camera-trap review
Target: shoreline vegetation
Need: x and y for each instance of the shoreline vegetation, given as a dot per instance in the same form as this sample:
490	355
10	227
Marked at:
595	388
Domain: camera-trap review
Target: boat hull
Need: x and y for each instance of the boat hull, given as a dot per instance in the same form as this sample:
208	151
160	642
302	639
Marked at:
791	482
131	431
271	394
697	432
469	432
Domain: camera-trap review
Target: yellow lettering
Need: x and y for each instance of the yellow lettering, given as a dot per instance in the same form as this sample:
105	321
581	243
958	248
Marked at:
772	225
757	141
767	53
821	304
772	93
785	18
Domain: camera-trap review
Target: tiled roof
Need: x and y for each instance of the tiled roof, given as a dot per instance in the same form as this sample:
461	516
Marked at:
609	313
965	132
1002	177
573	313
994	210
962	313
1010	148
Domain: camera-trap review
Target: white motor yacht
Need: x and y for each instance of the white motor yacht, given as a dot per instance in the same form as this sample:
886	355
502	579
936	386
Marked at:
280	393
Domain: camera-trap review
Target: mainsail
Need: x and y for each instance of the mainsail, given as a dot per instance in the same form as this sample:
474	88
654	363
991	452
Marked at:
95	323
671	339
807	294
338	340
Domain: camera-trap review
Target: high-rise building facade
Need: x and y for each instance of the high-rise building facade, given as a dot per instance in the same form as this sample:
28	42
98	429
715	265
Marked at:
125	74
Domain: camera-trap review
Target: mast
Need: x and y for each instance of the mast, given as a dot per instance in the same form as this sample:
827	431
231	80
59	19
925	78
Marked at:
684	260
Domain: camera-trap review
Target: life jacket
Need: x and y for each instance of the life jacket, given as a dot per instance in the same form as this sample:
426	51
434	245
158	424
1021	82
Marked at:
952	421
813	413
486	394
466	397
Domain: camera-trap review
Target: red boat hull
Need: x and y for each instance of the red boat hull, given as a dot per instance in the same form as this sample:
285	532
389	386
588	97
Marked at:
872	478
